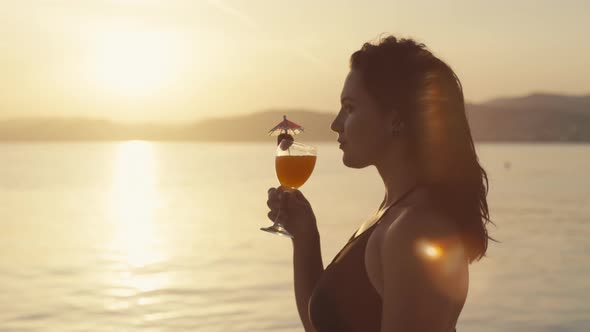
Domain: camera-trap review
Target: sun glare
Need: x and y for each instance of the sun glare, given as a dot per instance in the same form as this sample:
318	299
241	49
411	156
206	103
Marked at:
432	251
129	61
135	199
429	250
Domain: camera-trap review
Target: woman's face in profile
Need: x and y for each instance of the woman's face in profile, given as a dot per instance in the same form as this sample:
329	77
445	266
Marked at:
364	130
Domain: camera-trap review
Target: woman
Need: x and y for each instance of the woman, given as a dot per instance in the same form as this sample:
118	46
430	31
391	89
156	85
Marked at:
405	268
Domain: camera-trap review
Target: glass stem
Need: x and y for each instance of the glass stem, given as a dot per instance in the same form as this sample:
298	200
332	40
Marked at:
277	223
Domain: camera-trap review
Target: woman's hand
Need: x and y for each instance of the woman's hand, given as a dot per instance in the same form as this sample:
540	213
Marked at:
293	211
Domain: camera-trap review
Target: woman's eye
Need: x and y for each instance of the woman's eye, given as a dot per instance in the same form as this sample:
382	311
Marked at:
347	108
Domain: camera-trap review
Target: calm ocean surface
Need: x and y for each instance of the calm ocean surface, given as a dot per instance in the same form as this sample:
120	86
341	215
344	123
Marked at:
139	236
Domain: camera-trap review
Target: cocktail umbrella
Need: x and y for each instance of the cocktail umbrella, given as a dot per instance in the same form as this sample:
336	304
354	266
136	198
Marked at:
285	127
285	130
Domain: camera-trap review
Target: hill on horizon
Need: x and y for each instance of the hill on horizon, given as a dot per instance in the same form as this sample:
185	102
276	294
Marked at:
539	117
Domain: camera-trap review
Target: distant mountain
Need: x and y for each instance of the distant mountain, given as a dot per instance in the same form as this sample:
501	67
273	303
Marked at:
533	118
79	129
544	101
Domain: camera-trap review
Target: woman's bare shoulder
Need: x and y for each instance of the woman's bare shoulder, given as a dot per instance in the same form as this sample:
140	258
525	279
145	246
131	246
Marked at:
420	227
424	266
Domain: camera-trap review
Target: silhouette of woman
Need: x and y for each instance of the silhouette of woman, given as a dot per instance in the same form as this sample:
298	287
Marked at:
406	267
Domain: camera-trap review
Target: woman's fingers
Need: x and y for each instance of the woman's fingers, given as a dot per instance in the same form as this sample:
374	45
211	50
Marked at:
282	203
292	210
272	215
278	201
273	198
280	216
286	200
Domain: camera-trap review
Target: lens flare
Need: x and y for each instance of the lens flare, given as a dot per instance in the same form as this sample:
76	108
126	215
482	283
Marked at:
429	250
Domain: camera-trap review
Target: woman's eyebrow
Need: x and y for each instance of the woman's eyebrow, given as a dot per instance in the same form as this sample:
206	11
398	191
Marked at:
344	99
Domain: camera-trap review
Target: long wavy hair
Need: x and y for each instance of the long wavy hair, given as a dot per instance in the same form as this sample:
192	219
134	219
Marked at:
403	76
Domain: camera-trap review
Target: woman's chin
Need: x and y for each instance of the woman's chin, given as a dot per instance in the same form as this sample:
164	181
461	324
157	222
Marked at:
345	160
349	162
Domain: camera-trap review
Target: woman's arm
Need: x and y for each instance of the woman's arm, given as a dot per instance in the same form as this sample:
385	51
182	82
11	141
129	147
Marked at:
297	216
425	274
307	268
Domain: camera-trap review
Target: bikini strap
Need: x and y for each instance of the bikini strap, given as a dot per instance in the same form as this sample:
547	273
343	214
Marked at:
407	193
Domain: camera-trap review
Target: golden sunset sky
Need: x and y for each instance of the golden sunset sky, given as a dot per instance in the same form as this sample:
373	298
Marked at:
181	60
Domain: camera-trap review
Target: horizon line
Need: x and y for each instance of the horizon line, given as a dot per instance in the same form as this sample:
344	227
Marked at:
269	109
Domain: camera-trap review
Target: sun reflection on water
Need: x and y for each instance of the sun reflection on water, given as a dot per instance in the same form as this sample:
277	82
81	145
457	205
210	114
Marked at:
135	199
137	240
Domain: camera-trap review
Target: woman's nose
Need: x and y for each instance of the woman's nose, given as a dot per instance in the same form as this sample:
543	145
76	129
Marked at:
335	126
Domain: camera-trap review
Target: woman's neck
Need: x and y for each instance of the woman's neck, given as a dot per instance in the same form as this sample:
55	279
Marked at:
398	176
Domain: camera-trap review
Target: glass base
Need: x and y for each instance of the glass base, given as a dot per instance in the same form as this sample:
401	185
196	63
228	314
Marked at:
277	229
